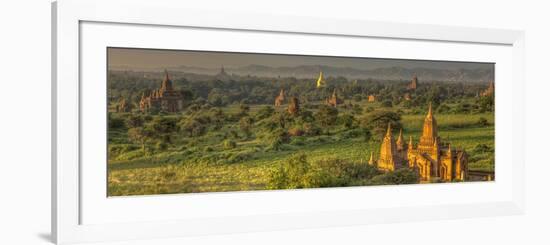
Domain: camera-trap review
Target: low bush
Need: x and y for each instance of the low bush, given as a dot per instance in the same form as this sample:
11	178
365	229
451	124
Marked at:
397	177
297	172
229	144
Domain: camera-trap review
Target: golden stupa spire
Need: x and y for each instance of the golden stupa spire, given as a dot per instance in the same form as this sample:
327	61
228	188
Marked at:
400	142
166	75
429	130
321	81
400	138
430	113
388	132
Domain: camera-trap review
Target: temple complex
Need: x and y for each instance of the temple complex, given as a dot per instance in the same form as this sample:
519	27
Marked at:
391	158
123	106
223	76
414	83
433	159
294	106
166	98
334	100
371	98
489	91
279	100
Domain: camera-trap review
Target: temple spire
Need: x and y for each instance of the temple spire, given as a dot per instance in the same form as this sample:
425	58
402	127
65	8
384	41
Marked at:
410	142
429	130
388	132
321	81
166	83
389	159
166	75
400	142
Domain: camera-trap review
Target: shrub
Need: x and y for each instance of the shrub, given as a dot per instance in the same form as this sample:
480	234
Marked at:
483	122
115	122
326	116
161	146
134	121
244	124
163	127
290	175
443	108
482	148
277	138
193	126
354	133
347	120
298	172
116	149
386	103
297	141
265	112
307	116
311	129
367	135
378	122
397	177
229	144
238	157
369	109
295	132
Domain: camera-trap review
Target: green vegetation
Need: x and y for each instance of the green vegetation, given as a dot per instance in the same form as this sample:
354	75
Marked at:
235	140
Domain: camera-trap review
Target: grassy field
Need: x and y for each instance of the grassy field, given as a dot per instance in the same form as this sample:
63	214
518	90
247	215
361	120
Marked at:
206	164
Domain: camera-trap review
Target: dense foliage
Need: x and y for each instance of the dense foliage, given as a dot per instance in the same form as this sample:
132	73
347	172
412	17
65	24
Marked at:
229	135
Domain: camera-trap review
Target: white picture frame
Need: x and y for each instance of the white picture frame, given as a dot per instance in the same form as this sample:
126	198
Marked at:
68	18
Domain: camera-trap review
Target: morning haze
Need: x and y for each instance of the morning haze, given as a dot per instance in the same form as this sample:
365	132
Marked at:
148	59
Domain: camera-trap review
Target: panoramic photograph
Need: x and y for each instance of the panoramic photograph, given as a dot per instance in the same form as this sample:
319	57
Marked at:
183	121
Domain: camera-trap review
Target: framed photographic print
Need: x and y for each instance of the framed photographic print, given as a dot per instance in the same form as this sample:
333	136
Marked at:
180	123
169	125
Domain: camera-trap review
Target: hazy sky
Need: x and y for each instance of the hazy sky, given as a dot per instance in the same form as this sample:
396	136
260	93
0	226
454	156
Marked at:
152	58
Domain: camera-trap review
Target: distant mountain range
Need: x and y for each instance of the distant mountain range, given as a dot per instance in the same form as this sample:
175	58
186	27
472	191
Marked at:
388	73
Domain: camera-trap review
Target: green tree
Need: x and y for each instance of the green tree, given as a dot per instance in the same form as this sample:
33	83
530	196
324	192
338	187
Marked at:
397	177
483	122
245	124
243	110
377	122
265	112
327	116
163	128
486	103
134	121
347	120
386	103
140	135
